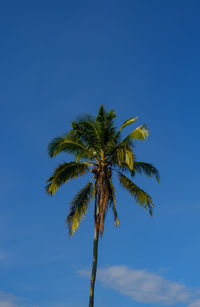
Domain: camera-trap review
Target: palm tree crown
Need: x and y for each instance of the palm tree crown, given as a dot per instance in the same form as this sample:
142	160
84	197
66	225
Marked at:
99	149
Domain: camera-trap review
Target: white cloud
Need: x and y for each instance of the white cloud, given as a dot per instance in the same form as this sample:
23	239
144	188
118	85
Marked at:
145	287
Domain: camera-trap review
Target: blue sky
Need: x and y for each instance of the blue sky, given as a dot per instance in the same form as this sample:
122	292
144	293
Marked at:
59	59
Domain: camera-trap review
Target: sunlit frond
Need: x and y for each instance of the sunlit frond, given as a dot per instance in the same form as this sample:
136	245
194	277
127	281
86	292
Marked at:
141	197
128	122
123	155
140	133
63	173
79	207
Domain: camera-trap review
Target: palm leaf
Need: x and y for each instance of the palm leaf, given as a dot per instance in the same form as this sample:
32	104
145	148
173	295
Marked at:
86	131
67	144
123	155
140	133
88	157
113	204
141	197
63	173
79	207
128	122
147	169
105	128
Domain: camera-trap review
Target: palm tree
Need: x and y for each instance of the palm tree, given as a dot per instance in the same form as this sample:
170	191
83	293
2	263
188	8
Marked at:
99	148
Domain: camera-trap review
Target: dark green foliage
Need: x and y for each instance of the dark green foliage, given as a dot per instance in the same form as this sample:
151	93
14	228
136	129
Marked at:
68	144
141	197
63	173
79	206
98	146
146	169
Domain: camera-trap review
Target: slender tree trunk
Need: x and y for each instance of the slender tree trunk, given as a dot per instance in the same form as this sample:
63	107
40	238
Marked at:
94	265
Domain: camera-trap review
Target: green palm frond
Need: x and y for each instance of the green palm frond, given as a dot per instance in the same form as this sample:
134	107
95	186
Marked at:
140	133
64	172
105	128
79	207
104	116
147	169
67	144
123	155
141	197
128	122
113	203
96	141
54	145
88	156
86	131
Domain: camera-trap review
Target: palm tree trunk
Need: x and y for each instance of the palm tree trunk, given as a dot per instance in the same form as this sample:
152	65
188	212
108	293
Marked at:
94	265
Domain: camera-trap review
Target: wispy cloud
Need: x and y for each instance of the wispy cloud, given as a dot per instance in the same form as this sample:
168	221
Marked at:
8	300
7	304
145	287
196	303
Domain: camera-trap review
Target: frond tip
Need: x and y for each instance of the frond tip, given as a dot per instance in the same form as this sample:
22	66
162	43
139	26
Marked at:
79	207
142	198
146	169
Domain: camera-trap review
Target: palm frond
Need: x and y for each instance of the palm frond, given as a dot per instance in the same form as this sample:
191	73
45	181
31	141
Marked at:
113	203
67	144
147	169
128	122
104	116
79	207
141	197
110	115
89	156
105	128
123	155
140	133
63	173
86	131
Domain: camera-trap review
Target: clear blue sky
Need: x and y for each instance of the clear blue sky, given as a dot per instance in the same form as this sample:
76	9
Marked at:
59	59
